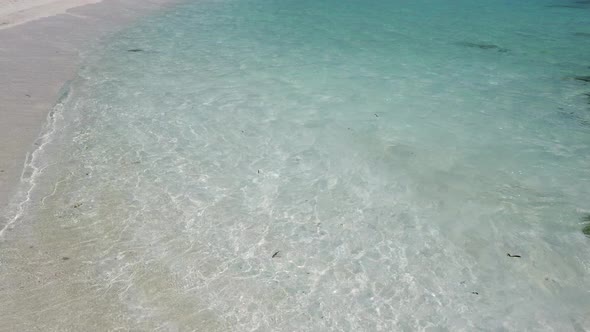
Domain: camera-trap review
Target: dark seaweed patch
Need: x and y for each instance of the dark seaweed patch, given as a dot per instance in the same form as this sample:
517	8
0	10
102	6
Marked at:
483	46
566	6
571	116
577	4
586	228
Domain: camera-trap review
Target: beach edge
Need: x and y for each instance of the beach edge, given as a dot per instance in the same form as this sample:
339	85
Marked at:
42	56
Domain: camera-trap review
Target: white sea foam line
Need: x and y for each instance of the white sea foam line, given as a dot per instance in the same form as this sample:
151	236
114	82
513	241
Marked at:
27	183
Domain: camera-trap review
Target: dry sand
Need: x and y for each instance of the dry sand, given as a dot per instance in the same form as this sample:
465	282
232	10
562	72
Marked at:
14	12
40	43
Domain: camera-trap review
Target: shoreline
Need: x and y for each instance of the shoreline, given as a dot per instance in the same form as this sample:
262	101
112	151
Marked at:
23	11
41	51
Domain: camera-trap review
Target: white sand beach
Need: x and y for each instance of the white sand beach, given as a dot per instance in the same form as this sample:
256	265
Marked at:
14	12
40	42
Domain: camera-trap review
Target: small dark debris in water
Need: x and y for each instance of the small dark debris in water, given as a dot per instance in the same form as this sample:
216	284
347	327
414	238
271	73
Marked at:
582	78
136	162
242	131
259	172
87	173
276	254
475	293
28	95
376	115
1	171
462	282
514	256
31	247
77	205
135	50
65	258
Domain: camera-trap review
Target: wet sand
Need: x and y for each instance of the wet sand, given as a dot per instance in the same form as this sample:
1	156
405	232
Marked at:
40	43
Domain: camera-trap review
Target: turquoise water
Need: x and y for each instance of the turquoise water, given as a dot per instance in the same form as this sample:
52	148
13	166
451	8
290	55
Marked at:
266	165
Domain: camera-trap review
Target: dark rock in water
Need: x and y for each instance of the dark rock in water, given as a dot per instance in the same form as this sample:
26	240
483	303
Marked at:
586	230
484	46
135	50
583	78
586	218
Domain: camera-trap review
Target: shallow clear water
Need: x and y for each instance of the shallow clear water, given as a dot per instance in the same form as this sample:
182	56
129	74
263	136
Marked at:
266	165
